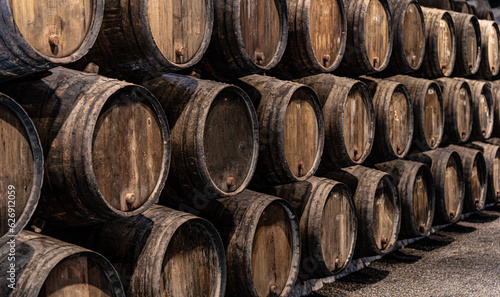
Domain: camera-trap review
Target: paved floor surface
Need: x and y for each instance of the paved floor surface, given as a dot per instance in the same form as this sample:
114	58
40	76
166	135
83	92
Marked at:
459	260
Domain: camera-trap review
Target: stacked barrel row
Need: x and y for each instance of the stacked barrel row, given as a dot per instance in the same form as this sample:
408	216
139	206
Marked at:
104	147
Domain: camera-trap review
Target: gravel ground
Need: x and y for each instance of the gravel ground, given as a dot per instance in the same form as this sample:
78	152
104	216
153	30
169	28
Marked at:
459	260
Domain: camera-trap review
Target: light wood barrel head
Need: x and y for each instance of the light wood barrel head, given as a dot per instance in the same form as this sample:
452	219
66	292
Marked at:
376	33
127	150
433	117
190	266
356	128
485	115
383	215
179	28
260	29
421	203
463	113
325	30
400	121
53	28
446	47
77	275
452	188
301	133
272	251
472	46
413	35
228	141
337	229
493	49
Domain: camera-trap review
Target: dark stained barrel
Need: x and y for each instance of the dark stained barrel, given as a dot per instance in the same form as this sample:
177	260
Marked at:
22	168
463	7
291	129
349	119
482	108
448	174
475	176
468	34
328	224
106	145
378	208
262	243
249	37
38	35
485	14
369	37
458	110
440	42
409	35
491	155
490	47
162	252
214	136
393	119
440	4
142	39
317	35
427	101
45	266
495	90
417	194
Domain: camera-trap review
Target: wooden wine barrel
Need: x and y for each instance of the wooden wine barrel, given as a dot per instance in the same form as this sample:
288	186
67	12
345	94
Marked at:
393	119
378	208
45	266
328	224
369	37
490	47
162	252
462	7
485	14
468	34
448	175
106	145
495	90
37	35
409	36
249	37
417	194
482	108
262	243
292	133
22	168
349	119
317	35
475	176
142	39
440	4
457	104
214	136
441	43
491	155
427	102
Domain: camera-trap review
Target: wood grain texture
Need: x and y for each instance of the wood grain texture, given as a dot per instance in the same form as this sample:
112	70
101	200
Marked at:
22	162
468	34
417	193
490	47
448	175
349	119
291	129
40	35
491	153
214	136
495	90
83	121
427	101
441	43
440	4
48	267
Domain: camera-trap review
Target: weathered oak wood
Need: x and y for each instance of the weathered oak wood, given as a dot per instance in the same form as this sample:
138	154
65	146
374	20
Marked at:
490	47
468	34
440	4
491	155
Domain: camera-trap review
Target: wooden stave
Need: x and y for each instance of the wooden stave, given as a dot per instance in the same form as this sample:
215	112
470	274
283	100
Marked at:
450	87
485	67
437	161
443	4
490	153
18	58
417	88
404	173
495	90
38	254
188	98
270	97
471	157
329	87
36	149
461	20
67	197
